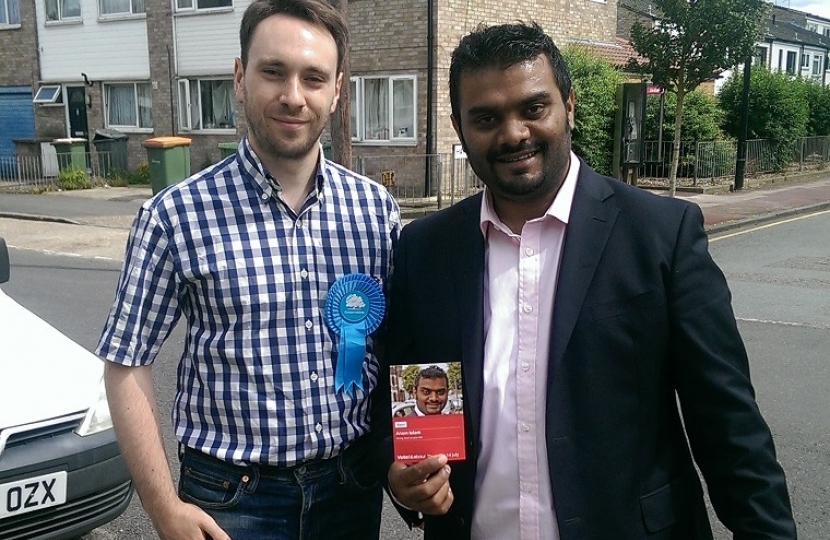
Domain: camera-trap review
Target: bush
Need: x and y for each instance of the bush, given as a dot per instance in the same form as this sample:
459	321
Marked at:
702	117
595	83
141	175
818	108
778	111
73	178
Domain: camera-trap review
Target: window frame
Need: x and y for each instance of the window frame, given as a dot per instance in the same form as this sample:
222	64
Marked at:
138	128
194	7
121	14
58	89
789	68
185	105
358	107
61	18
9	23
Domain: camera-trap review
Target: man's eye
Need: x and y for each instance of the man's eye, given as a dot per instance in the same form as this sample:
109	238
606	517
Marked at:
536	110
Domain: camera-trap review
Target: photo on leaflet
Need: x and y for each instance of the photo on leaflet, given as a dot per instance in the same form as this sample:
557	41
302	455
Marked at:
427	410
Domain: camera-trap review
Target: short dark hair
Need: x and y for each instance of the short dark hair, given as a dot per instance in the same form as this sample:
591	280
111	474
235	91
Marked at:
315	12
432	372
501	47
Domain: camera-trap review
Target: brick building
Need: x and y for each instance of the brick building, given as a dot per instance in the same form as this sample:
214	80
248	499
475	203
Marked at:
162	67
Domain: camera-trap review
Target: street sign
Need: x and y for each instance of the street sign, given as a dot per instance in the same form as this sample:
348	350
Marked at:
652	90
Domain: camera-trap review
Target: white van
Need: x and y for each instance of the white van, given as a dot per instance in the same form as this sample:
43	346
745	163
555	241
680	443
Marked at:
61	474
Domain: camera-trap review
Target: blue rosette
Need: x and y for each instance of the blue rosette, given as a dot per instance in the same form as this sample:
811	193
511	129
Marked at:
354	309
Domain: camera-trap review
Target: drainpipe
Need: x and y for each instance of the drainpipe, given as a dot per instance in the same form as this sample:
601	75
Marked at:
430	139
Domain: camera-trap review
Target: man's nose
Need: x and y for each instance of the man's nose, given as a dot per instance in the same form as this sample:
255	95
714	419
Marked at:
514	131
291	93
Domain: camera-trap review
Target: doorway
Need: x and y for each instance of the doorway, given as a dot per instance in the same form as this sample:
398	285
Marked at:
76	107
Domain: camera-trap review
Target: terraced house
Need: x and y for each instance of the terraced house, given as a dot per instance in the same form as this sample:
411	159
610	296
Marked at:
149	68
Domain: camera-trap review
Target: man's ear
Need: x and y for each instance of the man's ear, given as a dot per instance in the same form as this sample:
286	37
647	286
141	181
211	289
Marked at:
238	80
570	106
337	85
457	127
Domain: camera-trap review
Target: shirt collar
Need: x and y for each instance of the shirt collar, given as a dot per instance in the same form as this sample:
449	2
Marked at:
560	208
266	182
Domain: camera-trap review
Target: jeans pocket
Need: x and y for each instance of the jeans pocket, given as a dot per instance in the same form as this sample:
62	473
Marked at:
210	485
360	471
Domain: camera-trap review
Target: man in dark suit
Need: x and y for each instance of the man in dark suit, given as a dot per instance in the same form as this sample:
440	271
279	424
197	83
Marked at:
598	345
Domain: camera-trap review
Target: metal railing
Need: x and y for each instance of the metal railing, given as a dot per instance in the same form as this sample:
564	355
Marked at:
43	170
713	162
423	179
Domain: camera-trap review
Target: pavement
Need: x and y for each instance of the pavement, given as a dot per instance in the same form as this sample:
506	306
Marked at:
94	222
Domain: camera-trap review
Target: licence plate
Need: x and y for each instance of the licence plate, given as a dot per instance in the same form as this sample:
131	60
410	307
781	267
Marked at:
32	494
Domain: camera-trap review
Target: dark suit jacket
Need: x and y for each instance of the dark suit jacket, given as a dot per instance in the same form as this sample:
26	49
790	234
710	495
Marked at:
642	315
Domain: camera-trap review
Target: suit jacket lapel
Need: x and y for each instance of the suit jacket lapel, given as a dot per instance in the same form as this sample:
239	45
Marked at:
591	221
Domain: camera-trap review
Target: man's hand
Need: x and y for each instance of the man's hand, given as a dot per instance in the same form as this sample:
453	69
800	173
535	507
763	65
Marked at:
424	486
184	521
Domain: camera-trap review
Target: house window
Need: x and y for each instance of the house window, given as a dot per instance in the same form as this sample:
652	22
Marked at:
791	62
816	65
805	61
9	12
63	10
383	108
129	105
760	57
48	93
121	7
190	5
206	104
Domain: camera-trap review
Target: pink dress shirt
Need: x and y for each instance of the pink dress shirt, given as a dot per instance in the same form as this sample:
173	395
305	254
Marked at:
513	490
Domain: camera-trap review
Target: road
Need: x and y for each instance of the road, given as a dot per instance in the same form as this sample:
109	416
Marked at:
779	276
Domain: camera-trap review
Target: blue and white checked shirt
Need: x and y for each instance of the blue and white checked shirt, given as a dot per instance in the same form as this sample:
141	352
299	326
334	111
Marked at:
250	277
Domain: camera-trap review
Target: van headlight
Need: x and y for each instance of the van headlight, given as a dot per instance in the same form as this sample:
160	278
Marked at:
98	417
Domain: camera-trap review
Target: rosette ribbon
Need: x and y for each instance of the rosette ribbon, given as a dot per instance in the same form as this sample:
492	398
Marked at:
354	309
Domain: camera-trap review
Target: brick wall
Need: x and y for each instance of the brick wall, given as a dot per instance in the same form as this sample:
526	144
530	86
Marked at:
390	37
18	50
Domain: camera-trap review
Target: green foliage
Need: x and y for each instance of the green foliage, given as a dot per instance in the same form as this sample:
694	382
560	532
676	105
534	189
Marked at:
778	110
454	375
72	178
694	40
691	42
595	83
408	375
818	105
702	117
141	175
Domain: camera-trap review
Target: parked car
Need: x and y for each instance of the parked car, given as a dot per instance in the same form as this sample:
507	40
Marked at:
61	474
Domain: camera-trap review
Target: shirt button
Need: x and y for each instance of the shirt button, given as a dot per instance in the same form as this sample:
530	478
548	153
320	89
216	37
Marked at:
309	324
314	377
318	428
527	308
299	223
525	366
528	252
525	428
527	488
304	273
264	196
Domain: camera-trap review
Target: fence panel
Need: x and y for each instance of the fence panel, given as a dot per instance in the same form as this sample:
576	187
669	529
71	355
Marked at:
39	171
422	179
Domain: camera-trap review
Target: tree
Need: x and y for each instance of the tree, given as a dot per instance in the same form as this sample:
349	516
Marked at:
595	83
408	375
454	375
694	40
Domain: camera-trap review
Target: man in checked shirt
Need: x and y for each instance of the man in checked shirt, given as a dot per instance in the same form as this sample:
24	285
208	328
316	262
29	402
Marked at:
246	252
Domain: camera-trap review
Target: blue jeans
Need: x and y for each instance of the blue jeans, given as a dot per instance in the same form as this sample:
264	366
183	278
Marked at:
338	498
